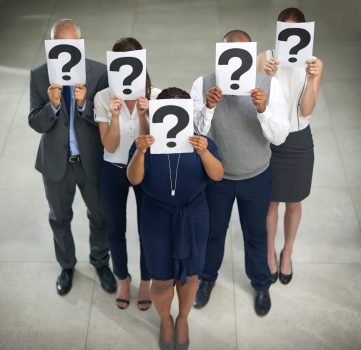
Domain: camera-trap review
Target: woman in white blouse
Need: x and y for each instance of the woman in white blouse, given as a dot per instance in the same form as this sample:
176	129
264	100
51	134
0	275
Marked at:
291	162
119	125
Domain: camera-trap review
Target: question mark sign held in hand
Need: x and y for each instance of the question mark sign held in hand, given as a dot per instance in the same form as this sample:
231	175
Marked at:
137	68
180	113
247	62
75	57
304	36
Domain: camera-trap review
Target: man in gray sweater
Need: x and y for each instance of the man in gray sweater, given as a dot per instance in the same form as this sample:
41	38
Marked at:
243	128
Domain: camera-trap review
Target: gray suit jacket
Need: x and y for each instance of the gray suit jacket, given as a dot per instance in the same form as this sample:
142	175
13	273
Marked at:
52	155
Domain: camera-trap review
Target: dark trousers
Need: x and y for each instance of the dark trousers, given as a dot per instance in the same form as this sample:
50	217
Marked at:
60	196
115	189
253	197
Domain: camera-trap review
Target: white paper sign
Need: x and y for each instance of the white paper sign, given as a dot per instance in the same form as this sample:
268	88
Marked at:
127	73
236	67
171	124
66	61
294	43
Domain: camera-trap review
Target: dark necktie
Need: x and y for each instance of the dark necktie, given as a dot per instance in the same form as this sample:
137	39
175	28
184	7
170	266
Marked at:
67	98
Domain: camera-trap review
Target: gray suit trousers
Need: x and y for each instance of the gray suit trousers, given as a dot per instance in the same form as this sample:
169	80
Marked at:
60	196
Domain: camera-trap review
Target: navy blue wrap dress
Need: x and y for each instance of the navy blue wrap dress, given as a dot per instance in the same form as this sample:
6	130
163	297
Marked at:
174	229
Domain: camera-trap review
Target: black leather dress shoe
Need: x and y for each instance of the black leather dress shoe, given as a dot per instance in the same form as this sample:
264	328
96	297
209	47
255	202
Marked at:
107	279
64	281
285	279
203	294
262	303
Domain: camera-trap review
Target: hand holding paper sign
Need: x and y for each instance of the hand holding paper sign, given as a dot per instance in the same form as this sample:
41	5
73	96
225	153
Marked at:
314	72
214	96
114	106
143	142
80	92
259	99
54	94
143	109
142	106
271	66
199	143
314	67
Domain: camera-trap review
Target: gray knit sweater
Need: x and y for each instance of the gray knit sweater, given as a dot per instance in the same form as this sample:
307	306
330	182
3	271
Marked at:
236	130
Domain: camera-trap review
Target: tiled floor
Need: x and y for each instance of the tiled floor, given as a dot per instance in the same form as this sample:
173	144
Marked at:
320	309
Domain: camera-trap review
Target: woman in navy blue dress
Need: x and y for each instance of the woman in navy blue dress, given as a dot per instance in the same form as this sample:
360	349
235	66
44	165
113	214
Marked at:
174	222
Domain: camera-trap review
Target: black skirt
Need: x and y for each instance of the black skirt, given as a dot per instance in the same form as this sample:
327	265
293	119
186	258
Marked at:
292	167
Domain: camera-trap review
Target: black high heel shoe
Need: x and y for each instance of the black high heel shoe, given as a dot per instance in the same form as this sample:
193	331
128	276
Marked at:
274	276
162	344
285	279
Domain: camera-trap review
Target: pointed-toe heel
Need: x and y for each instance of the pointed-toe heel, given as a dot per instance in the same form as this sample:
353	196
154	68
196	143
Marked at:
162	344
285	279
183	346
274	276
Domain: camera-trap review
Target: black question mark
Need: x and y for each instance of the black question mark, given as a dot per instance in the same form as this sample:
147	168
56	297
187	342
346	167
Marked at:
75	56
136	65
246	58
303	34
180	113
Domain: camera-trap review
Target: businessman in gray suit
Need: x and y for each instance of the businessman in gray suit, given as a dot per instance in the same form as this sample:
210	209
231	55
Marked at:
69	155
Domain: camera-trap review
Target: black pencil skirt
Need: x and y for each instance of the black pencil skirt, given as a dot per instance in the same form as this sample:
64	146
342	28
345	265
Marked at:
292	167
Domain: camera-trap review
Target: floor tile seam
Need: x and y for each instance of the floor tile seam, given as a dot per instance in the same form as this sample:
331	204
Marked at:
330	187
12	120
345	174
342	127
344	79
89	317
351	127
349	187
26	82
232	261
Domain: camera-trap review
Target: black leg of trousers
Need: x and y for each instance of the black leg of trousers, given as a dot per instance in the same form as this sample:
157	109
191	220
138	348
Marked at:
253	197
220	199
115	190
143	267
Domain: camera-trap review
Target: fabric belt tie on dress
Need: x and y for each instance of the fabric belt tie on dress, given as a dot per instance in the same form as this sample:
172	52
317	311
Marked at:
184	241
184	236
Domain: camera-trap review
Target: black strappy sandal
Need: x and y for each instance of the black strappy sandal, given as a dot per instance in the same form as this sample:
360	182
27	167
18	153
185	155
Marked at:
144	302
125	301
